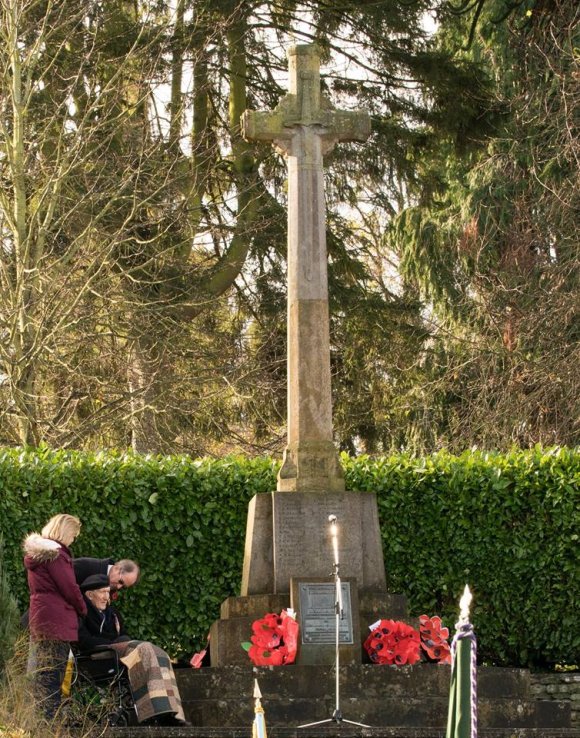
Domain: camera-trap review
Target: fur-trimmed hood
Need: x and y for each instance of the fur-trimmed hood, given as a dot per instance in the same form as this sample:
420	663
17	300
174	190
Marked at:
39	550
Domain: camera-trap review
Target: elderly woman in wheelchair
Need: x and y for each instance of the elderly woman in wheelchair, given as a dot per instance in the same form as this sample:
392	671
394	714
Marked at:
149	670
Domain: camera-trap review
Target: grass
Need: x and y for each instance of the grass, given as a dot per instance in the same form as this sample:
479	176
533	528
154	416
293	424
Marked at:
20	716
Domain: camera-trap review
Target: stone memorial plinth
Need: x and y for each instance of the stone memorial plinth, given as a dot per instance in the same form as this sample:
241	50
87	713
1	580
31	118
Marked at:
288	536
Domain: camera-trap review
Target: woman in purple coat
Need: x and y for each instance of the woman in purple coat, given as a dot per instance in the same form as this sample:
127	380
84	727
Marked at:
55	605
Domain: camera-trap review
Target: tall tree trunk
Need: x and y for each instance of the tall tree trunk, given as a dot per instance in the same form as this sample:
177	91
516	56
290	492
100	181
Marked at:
23	365
143	382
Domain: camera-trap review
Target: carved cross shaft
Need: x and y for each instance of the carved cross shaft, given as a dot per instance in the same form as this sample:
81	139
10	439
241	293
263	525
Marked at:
304	127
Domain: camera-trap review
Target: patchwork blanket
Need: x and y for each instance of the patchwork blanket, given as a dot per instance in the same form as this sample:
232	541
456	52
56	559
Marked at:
152	681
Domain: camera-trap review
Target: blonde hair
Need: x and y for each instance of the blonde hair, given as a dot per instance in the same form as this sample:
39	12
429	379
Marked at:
62	528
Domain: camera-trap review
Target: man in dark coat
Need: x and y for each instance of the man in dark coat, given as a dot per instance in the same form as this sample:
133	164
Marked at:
86	567
123	573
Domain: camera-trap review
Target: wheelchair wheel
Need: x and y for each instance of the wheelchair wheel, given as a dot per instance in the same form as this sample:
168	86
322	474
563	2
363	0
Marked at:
101	692
88	707
118	719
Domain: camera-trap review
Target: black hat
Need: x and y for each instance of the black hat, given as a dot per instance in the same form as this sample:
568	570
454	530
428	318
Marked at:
95	581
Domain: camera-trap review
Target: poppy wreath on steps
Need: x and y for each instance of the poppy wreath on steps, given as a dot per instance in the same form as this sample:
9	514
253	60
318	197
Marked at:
274	640
395	643
434	639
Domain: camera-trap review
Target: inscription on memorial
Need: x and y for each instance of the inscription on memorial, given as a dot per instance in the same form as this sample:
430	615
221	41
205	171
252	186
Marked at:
286	548
309	513
318	613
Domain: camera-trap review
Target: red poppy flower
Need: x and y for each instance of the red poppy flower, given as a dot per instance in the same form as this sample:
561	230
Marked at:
408	649
266	639
271	620
266	657
434	639
266	632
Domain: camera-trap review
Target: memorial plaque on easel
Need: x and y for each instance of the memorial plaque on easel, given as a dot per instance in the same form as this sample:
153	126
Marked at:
314	600
318	613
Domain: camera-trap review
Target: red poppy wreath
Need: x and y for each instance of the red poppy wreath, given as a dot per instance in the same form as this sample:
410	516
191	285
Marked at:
434	639
396	643
393	642
274	640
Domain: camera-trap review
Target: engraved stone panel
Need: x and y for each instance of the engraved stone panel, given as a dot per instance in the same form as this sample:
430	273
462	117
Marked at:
302	544
288	535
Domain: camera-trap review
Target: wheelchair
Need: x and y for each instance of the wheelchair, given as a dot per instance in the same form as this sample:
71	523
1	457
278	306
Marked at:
100	690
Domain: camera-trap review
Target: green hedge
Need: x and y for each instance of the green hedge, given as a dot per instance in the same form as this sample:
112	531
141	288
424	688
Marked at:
183	520
505	523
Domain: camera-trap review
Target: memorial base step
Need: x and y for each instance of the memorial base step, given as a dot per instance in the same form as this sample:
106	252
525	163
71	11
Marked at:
342	730
378	696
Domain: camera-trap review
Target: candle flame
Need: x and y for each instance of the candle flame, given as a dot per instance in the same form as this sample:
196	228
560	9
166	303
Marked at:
464	604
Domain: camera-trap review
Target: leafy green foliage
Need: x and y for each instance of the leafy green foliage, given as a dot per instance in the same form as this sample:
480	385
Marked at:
8	613
505	523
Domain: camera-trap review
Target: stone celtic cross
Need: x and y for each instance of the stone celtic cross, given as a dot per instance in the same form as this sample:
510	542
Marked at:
304	126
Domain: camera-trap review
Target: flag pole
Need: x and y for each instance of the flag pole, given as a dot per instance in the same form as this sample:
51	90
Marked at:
259	724
462	713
